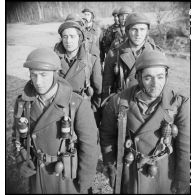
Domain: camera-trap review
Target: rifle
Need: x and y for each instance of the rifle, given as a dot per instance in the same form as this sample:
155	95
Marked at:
122	122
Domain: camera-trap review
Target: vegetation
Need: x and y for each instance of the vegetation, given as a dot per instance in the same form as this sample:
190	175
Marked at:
170	20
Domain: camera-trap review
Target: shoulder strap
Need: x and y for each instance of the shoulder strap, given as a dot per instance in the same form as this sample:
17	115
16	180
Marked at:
20	108
122	123
18	113
88	69
24	108
69	111
27	113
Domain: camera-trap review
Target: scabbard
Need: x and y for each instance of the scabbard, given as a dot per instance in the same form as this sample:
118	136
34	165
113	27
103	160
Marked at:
66	159
74	164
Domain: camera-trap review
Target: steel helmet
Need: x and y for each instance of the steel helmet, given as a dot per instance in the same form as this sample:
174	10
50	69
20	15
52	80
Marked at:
74	17
43	59
70	24
115	11
88	10
124	10
151	58
136	18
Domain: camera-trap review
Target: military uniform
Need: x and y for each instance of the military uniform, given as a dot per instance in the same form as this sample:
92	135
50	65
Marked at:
92	34
120	37
123	57
110	36
43	147
145	135
119	34
76	74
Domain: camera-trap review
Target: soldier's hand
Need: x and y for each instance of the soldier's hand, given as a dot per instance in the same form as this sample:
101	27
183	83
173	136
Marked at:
27	169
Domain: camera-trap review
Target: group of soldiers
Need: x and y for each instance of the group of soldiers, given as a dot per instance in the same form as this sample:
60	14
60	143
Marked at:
106	89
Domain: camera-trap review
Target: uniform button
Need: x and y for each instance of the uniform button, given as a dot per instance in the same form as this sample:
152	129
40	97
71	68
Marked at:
34	136
136	139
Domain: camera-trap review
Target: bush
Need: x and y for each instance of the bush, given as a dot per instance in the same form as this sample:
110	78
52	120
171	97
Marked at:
173	37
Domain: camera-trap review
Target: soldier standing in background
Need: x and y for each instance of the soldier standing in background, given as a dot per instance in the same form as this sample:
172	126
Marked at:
80	68
108	36
90	46
92	30
145	133
120	35
54	130
119	69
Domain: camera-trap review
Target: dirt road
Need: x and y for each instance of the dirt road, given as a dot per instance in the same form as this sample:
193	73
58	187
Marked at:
22	39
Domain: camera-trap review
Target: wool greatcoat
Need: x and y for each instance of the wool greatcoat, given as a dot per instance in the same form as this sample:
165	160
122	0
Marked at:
45	130
124	57
76	75
173	169
93	34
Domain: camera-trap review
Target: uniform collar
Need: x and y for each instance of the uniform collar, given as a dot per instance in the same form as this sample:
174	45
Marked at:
81	53
167	98
29	92
125	47
64	92
62	51
62	97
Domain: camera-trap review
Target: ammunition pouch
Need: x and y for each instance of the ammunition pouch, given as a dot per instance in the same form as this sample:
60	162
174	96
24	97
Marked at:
69	160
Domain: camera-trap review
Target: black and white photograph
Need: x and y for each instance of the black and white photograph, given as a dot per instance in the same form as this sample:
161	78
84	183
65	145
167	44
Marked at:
98	97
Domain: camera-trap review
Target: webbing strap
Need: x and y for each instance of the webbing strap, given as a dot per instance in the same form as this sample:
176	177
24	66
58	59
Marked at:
28	106
20	109
87	71
72	115
121	75
19	112
122	122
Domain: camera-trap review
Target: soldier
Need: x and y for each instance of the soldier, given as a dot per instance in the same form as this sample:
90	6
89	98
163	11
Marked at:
82	22
120	35
148	150
80	67
108	36
54	130
119	69
92	31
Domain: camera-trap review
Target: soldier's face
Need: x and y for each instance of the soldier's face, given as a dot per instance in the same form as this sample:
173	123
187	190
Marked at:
70	39
88	16
122	18
116	20
137	33
42	80
154	80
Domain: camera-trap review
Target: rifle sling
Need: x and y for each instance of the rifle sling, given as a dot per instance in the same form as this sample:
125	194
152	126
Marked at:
122	121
